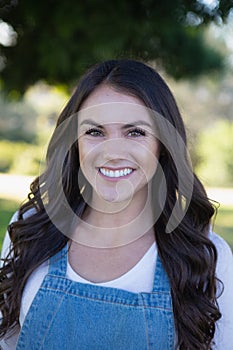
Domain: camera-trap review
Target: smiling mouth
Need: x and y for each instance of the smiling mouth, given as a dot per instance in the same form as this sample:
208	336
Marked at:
115	173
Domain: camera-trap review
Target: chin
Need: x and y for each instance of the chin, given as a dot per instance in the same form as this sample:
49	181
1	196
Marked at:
115	199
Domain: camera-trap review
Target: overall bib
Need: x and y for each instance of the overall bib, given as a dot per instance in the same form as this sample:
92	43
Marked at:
70	315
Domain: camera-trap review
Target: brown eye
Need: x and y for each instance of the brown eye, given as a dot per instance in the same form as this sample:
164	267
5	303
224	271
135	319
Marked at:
94	132
137	132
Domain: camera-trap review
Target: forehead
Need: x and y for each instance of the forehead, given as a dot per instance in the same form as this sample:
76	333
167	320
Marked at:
106	105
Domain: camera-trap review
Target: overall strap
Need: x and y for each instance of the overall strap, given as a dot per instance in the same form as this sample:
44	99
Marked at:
161	281
58	262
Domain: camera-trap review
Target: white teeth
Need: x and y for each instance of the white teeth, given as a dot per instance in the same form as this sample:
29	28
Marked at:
116	173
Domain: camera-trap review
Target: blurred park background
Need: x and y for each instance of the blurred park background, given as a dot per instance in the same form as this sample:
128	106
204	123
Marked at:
45	46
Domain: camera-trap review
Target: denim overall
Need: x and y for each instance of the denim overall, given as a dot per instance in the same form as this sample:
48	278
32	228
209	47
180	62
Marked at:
70	315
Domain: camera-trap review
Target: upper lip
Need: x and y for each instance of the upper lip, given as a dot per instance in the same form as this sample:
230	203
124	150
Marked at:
118	168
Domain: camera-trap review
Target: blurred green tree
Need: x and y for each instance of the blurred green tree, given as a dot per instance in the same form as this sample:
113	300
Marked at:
17	121
215	149
57	40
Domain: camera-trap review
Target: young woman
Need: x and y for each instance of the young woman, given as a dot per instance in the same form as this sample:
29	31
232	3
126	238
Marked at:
114	248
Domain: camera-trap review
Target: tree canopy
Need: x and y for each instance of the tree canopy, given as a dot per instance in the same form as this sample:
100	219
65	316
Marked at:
57	40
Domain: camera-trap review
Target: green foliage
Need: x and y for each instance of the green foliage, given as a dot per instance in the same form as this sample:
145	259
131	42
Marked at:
20	158
215	150
18	121
21	124
7	209
224	224
57	40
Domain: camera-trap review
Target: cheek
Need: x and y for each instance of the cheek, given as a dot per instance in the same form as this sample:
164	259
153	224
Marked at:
148	152
85	153
85	161
148	159
80	151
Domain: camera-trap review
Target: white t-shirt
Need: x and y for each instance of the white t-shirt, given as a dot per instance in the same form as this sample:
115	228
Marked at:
140	279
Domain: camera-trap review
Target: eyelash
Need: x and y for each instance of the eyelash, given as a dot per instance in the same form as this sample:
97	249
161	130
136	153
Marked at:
139	132
96	132
93	131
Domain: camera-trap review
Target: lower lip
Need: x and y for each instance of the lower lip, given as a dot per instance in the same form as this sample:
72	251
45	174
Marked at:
114	179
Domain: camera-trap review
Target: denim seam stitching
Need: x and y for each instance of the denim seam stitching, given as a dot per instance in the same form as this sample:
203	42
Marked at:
146	322
49	324
108	301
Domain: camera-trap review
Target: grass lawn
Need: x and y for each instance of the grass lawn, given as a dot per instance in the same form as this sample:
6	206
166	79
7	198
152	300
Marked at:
223	224
7	209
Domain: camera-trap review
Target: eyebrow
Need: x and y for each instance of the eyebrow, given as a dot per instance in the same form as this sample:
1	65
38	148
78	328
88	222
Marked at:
91	122
126	126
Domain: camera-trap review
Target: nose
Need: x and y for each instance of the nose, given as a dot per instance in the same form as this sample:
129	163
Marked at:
114	149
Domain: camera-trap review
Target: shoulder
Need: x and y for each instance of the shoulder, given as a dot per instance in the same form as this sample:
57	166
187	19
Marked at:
224	272
225	256
26	215
31	288
7	242
219	242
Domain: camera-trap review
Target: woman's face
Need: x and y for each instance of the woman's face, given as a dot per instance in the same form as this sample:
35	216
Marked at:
118	149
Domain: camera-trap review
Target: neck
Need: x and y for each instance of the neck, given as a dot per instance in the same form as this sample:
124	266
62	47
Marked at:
115	224
109	215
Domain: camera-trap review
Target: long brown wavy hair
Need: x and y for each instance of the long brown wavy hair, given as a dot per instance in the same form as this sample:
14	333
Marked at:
188	256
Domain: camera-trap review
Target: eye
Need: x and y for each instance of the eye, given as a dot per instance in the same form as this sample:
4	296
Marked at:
94	132
136	132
